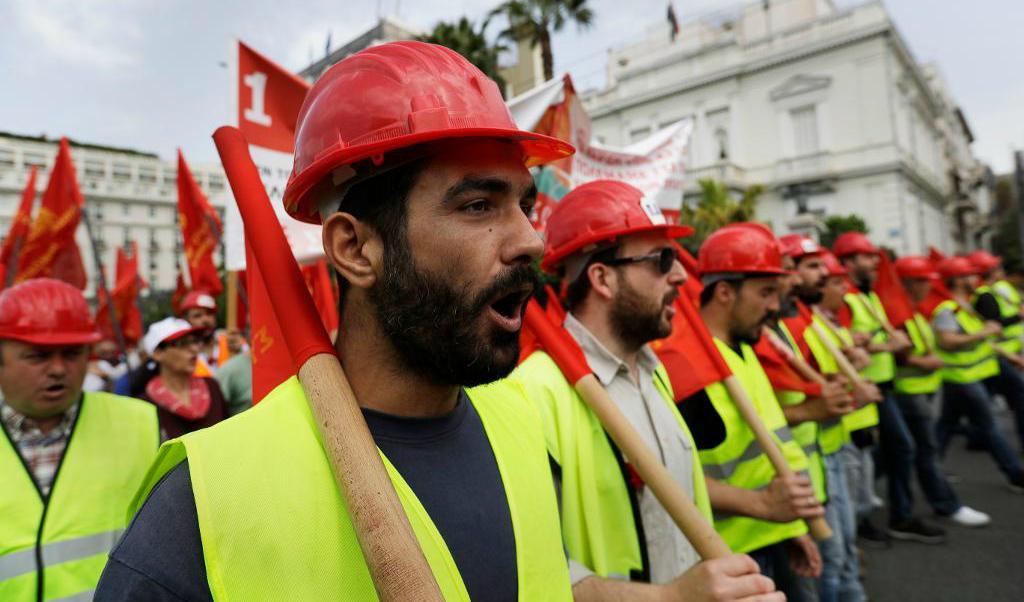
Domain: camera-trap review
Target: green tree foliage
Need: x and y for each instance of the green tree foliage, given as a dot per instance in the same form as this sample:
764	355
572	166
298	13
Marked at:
471	42
536	20
1006	242
838	224
716	208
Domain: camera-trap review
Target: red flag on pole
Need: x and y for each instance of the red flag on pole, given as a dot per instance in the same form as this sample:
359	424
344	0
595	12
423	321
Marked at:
321	288
689	353
18	231
123	295
271	362
898	307
200	229
50	249
773	354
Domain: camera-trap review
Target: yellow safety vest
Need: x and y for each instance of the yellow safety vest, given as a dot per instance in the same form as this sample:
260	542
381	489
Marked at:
597	507
836	432
972	364
911	380
806	433
883	364
274	526
69	533
739	461
1008	298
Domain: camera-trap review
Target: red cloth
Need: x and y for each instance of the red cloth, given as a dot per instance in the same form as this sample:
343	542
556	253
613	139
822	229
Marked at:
325	296
19	226
936	295
50	249
198	402
898	307
200	229
174	425
689	354
782	376
124	292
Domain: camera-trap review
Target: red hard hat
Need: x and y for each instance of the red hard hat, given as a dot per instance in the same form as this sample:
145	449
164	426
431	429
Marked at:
601	211
832	264
44	311
798	245
984	260
394	96
953	267
915	266
200	299
850	243
741	248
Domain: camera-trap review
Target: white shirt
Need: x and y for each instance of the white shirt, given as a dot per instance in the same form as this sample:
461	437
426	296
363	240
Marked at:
669	553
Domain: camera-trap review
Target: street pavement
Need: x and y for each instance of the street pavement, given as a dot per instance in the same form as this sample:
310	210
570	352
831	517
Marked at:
985	564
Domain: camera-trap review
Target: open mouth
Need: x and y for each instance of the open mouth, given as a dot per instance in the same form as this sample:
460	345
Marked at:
507	310
55	390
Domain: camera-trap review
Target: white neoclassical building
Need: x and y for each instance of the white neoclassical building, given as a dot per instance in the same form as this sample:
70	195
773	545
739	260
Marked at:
129	195
827	108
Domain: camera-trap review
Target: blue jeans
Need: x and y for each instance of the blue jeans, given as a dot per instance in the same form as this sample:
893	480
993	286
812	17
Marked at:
919	415
773	561
841	567
860	478
896	456
1010	384
973	401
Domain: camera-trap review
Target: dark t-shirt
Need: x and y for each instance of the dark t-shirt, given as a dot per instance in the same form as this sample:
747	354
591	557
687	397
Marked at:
447	461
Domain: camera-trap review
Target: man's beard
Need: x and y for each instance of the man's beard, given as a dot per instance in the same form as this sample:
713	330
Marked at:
752	335
434	326
635	321
810	295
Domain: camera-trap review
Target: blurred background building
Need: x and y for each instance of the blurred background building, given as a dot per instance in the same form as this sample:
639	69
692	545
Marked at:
129	196
825	107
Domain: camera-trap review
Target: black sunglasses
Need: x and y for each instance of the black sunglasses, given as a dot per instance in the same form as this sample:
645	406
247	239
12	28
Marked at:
184	341
666	257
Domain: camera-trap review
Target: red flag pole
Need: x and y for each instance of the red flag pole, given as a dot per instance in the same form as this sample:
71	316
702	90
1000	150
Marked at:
567	354
837	354
397	565
795	360
818	527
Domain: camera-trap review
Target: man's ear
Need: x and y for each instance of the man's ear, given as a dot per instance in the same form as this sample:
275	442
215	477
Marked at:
603	280
724	293
353	248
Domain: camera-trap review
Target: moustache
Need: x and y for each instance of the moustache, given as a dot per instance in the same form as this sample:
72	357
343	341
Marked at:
508	281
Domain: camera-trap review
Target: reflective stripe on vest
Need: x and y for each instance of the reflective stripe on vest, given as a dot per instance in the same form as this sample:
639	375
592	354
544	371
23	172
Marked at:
883	364
749	470
283	490
597	509
111	445
911	380
971	364
833	432
1008	299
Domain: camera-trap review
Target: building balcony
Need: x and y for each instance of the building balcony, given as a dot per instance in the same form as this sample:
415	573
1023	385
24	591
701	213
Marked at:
722	171
805	168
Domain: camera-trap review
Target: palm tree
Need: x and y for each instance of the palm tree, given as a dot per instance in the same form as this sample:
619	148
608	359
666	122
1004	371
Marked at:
716	208
463	37
535	20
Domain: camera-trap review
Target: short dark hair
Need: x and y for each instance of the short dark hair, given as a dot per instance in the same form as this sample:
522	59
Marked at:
382	203
708	291
577	291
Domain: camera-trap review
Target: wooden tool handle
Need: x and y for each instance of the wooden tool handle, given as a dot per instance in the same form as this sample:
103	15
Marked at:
841	360
397	565
795	360
818	527
701	534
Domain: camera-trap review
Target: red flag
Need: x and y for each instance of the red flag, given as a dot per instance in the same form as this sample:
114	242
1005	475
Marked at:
936	296
693	286
200	229
278	352
50	249
935	255
689	353
19	229
180	290
556	341
775	361
898	307
123	296
270	97
325	297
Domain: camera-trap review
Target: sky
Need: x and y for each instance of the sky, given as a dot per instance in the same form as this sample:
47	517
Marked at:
150	74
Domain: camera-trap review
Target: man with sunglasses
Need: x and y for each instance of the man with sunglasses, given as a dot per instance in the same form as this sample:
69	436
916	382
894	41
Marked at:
616	254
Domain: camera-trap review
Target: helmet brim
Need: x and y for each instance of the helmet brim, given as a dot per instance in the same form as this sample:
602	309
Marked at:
54	339
537	150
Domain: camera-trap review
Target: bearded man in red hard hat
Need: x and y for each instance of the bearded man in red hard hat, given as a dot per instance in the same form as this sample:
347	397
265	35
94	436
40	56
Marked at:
70	461
407	155
756	511
617	256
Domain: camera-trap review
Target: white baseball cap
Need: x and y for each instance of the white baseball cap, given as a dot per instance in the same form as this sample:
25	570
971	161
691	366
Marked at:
167	329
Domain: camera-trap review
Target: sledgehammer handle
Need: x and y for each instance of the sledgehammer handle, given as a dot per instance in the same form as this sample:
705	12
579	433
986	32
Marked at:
708	543
818	527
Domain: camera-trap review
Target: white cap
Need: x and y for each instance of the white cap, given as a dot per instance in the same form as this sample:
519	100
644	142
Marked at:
166	329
